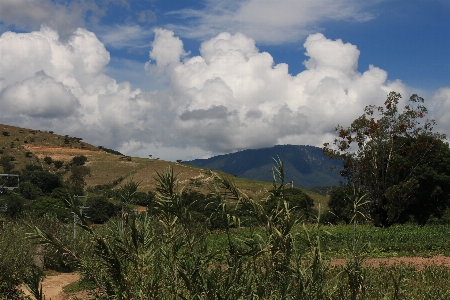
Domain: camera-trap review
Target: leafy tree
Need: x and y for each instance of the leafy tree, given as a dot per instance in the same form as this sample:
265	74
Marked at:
43	179
100	209
7	165
48	160
431	196
300	203
382	152
77	178
29	191
58	163
79	160
14	203
47	205
144	199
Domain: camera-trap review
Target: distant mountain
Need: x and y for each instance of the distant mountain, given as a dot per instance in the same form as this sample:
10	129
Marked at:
307	166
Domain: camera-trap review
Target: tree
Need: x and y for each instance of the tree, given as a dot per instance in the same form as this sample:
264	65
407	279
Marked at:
14	203
100	209
48	160
47	205
7	165
77	177
42	179
79	160
383	150
432	195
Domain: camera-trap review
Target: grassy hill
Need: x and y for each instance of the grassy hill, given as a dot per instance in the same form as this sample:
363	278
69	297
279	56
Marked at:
28	146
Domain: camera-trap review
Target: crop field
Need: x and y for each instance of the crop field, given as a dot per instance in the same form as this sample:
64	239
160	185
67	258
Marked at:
406	240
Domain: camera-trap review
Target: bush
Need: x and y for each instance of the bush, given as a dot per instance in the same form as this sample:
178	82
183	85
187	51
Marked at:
48	160
58	163
79	160
14	203
50	206
100	209
29	190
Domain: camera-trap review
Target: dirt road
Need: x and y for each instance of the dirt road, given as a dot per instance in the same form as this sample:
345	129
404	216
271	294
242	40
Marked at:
52	287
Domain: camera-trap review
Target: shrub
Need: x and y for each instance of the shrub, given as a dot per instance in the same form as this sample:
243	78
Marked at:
79	160
50	206
58	163
48	160
100	209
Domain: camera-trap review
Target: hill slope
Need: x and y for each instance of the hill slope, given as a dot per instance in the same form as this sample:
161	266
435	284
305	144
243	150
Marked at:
27	146
307	166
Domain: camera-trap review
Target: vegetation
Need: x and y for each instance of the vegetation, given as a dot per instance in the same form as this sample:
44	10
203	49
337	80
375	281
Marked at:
209	235
397	159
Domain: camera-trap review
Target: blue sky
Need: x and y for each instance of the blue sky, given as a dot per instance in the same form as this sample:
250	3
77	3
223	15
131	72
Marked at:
130	75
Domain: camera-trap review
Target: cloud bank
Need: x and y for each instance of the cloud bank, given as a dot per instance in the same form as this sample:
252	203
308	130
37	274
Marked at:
230	97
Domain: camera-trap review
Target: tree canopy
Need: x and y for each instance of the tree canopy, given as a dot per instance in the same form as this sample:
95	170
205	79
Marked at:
397	158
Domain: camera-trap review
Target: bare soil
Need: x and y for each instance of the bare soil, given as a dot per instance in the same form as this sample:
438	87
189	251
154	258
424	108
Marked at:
52	287
417	262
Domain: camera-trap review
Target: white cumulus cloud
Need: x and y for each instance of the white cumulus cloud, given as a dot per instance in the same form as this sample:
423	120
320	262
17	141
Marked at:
230	97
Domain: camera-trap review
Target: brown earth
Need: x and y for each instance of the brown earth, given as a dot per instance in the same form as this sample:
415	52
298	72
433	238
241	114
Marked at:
418	262
52	287
60	153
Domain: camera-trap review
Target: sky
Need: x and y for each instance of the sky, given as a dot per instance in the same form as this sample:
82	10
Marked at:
182	79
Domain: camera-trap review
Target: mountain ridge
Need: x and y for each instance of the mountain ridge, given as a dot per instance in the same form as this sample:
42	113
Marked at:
306	165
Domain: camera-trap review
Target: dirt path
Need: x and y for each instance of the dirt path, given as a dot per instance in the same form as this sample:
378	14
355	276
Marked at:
52	287
418	262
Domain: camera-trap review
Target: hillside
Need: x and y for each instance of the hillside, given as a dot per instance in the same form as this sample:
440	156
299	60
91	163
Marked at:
307	166
27	146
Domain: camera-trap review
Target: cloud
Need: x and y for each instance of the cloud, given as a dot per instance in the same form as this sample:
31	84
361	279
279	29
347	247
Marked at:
39	96
215	112
146	16
64	16
441	110
268	21
131	37
62	85
167	50
230	97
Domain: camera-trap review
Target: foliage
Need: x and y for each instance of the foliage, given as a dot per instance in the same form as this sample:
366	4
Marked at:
58	163
77	177
5	162
30	191
14	204
144	199
15	259
79	160
48	160
100	209
50	206
41	179
382	151
167	255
